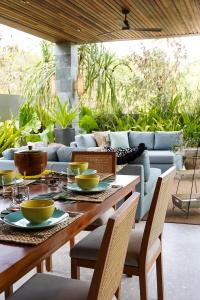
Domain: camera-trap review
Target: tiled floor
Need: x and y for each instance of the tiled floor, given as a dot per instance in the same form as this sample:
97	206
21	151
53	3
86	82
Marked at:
181	245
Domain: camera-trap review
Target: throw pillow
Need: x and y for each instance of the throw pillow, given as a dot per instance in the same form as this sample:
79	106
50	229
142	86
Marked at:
85	141
65	153
138	137
101	138
119	139
127	155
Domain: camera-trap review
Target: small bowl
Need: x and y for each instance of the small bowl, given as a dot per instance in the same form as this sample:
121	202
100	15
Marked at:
9	176
77	164
37	211
87	182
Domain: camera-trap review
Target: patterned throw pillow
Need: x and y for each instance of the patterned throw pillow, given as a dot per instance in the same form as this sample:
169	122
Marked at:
126	155
101	138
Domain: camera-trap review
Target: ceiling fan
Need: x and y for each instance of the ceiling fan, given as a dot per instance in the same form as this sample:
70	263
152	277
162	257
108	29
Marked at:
126	26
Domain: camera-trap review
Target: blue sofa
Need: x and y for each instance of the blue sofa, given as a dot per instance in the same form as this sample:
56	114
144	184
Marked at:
159	144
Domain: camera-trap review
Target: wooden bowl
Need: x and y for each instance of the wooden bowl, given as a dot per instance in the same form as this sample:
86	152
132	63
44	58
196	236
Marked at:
30	162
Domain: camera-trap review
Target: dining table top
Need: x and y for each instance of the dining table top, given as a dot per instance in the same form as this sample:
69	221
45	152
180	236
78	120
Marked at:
16	259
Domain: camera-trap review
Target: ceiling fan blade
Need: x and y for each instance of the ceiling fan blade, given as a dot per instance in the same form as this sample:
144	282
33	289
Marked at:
148	29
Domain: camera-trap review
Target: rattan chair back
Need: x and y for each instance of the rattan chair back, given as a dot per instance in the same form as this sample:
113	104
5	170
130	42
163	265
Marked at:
103	162
157	212
110	262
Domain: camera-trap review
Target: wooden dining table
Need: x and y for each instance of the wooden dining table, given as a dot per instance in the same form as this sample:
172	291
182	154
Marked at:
17	259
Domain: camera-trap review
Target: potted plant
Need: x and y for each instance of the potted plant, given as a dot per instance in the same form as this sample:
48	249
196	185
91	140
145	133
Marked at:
63	117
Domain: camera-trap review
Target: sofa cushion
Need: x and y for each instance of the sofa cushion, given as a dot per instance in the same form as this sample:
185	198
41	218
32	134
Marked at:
150	184
143	159
137	137
9	153
119	139
64	153
51	152
85	141
166	140
161	156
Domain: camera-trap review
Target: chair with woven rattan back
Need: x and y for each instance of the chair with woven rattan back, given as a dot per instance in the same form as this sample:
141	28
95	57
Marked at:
103	162
145	244
108	271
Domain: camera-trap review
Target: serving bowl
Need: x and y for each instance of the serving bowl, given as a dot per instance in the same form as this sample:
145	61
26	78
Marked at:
82	166
37	211
87	182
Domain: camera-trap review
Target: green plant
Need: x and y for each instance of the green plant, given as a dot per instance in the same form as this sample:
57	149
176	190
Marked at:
62	115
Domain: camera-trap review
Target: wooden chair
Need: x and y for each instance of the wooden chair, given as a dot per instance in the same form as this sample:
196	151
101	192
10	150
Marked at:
145	245
103	162
108	271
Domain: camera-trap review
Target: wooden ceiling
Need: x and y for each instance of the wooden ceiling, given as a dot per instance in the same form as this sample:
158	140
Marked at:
85	21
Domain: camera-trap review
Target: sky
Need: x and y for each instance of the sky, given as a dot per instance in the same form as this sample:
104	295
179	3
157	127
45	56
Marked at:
31	43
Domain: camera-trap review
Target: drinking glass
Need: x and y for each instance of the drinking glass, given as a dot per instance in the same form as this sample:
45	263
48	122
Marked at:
7	180
71	173
20	193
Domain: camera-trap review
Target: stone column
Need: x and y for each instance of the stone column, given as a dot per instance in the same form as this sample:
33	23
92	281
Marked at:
66	58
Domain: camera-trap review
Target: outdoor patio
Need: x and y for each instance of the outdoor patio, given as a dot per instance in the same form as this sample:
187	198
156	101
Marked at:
78	113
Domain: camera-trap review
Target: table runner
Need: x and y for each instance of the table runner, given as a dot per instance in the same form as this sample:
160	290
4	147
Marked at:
32	237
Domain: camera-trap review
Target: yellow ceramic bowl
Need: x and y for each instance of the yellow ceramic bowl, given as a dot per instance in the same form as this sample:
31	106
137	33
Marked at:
8	176
78	164
87	182
37	211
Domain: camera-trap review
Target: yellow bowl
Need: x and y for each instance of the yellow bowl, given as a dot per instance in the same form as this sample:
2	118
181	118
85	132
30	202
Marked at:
87	182
77	164
37	211
8	175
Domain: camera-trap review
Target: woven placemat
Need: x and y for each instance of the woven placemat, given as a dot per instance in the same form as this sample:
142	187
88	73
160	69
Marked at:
96	197
32	237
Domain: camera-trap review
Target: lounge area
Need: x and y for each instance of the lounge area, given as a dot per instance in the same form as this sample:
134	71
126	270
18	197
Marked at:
99	154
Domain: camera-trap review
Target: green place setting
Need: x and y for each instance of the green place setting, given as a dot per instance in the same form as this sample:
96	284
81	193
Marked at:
16	219
101	187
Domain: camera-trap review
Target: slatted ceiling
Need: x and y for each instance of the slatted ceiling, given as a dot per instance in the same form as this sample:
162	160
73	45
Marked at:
82	21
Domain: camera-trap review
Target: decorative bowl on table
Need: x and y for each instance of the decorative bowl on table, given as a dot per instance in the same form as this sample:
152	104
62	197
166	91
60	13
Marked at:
87	182
82	166
7	177
37	211
30	162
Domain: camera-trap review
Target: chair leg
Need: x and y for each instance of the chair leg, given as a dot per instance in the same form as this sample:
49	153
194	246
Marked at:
48	262
159	274
40	268
75	269
143	284
8	292
118	292
72	243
